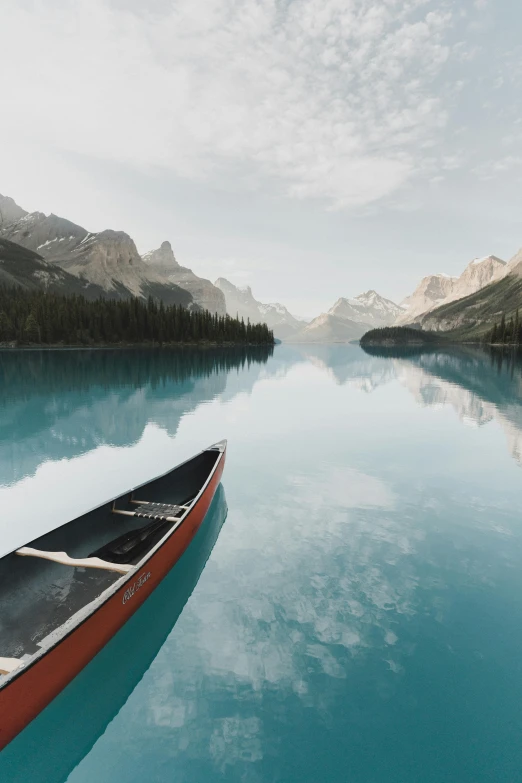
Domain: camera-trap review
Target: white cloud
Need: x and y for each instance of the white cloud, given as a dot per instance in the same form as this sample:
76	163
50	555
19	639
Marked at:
330	99
495	168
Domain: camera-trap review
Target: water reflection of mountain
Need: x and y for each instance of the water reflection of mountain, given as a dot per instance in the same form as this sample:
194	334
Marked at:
347	364
75	719
64	403
481	386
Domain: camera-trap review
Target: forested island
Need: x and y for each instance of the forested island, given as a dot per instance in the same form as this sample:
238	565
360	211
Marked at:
390	336
49	319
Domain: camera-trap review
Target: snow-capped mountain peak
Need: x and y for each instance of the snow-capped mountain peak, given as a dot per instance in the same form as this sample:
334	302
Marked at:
367	308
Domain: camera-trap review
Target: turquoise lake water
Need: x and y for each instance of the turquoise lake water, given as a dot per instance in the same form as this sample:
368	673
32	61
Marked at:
350	610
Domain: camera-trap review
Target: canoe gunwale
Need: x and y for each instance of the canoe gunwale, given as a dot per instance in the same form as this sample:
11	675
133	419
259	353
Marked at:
58	635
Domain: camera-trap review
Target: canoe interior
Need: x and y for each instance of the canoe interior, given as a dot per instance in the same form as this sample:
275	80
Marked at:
38	596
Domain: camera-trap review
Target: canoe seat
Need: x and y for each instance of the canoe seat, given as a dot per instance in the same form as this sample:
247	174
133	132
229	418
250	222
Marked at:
158	511
8	665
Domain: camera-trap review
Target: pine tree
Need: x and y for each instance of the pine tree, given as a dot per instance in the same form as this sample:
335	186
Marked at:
502	333
493	339
31	329
6	327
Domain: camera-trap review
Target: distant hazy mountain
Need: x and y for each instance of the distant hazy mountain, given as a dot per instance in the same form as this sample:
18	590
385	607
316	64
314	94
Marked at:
485	306
436	290
241	302
368	308
25	268
108	260
206	295
328	328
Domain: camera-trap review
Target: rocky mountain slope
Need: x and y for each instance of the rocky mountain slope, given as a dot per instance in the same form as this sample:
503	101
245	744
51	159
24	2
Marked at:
431	290
468	316
25	268
436	290
241	302
108	260
163	262
368	308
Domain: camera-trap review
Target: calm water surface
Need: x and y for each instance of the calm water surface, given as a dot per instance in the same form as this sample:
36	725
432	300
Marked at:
356	617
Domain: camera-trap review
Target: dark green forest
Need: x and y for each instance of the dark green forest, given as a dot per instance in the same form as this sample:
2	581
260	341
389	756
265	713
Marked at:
44	318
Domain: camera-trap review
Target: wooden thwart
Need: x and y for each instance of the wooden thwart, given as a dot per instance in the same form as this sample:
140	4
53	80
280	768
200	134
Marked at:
8	665
64	559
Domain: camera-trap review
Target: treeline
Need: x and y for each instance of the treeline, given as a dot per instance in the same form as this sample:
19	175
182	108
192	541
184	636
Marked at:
507	332
42	318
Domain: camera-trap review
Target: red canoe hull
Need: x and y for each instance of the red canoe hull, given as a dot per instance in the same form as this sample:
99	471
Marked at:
28	694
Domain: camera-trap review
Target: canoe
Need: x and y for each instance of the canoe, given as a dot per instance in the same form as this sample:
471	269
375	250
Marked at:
65	595
81	713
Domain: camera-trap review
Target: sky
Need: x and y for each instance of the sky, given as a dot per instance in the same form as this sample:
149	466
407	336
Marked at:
310	148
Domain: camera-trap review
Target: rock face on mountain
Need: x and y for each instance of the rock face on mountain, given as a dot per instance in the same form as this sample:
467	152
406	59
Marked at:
163	262
108	260
436	290
241	302
481	308
25	268
478	273
111	260
431	291
9	211
368	308
515	265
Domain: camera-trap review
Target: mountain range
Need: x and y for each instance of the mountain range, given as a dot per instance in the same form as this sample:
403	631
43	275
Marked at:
38	250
